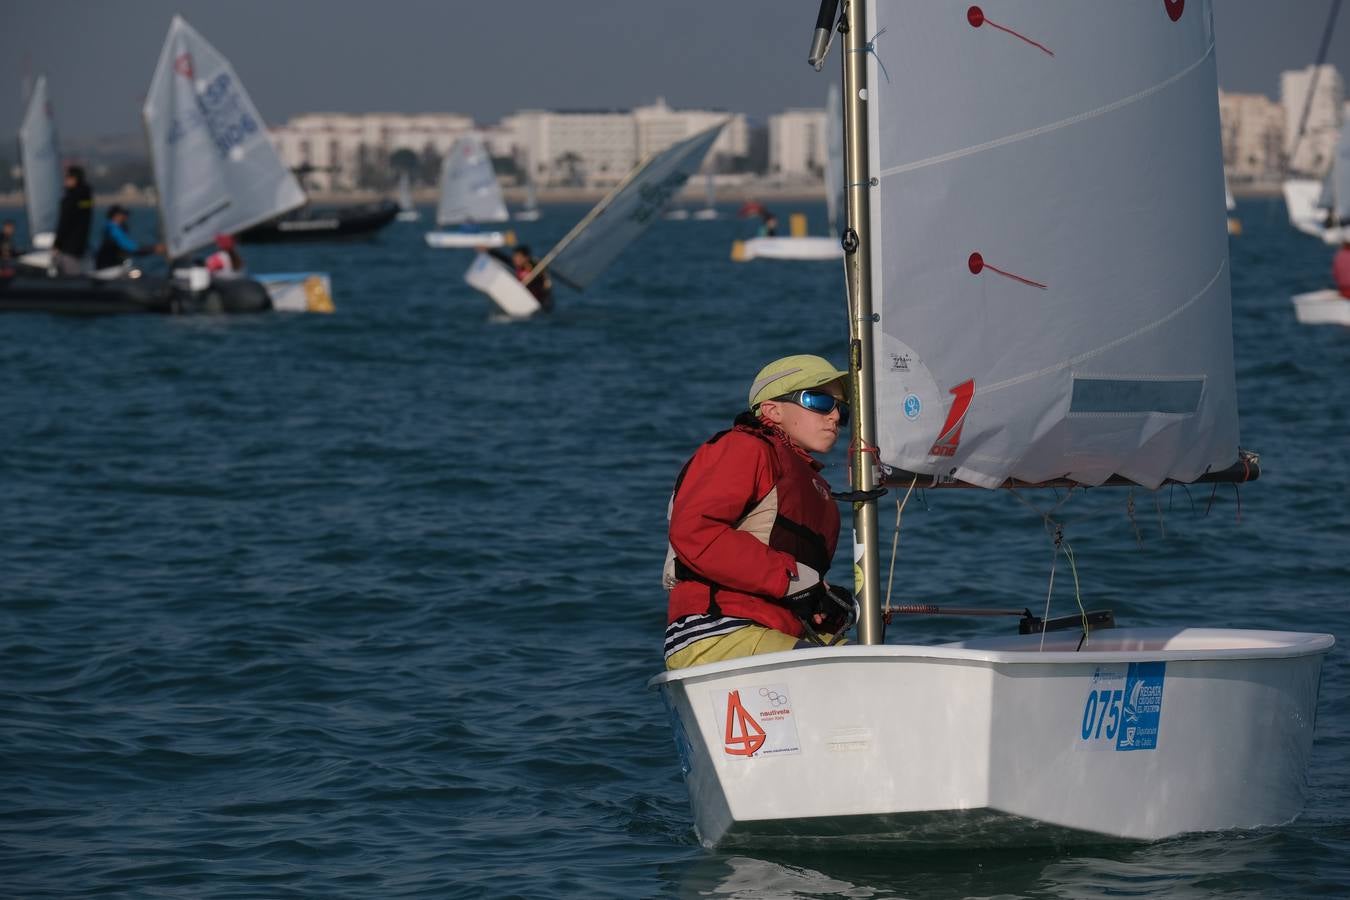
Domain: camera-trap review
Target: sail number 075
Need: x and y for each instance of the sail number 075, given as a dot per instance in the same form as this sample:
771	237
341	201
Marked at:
1100	707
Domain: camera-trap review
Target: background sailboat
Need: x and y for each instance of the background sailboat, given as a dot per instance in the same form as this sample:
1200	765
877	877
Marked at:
1322	208
709	210
1002	332
407	212
216	171
40	156
798	244
470	196
530	211
594	242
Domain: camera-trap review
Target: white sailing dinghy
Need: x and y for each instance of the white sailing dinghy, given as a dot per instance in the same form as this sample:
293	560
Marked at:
470	196
804	246
709	210
530	211
1326	307
216	171
407	212
1019	337
40	156
594	242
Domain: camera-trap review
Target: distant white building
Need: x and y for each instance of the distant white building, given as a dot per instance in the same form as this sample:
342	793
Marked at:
343	152
1314	151
798	144
1253	137
597	148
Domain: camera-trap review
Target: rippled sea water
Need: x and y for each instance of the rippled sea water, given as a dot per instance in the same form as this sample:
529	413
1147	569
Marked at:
364	605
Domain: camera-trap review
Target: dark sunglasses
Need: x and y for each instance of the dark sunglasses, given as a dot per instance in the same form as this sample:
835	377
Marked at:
821	402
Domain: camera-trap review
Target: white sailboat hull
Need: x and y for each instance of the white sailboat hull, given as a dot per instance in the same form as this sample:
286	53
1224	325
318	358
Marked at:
494	278
529	214
408	215
807	248
1326	307
983	743
707	214
466	240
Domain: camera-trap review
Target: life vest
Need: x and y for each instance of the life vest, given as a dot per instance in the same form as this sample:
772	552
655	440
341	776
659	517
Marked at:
788	509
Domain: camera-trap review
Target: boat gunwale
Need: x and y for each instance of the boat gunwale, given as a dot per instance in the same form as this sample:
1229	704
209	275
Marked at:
1291	644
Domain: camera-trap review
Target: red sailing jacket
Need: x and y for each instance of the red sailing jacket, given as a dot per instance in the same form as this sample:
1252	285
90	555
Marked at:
747	508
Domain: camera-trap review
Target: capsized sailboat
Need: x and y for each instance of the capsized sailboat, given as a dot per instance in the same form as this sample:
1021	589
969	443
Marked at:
1114	364
594	242
470	196
803	246
1322	209
407	212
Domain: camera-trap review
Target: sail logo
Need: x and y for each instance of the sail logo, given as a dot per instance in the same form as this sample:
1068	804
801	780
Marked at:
899	362
1174	8
744	736
913	406
756	722
950	436
182	64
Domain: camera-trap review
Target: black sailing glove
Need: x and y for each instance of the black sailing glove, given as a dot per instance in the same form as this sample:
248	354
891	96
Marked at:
839	609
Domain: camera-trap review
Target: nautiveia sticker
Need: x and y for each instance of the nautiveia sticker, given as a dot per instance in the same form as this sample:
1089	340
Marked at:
756	722
1123	708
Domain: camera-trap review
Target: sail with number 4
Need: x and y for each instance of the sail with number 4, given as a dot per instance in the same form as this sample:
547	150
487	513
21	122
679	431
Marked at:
1038	320
628	211
40	156
469	188
216	171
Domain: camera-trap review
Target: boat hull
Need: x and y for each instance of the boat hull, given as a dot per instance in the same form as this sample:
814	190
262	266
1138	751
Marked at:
87	296
493	277
1300	201
339	224
467	240
994	743
1325	307
803	248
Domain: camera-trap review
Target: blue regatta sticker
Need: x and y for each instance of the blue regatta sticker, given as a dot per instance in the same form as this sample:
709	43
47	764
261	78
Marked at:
912	406
1123	708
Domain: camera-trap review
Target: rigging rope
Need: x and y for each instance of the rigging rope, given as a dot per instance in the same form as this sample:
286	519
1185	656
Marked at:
1312	85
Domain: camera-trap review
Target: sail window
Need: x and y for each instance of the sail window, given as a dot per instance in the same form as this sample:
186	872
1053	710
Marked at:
1126	396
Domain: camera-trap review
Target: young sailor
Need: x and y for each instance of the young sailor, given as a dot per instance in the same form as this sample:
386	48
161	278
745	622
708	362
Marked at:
753	527
522	263
226	261
72	224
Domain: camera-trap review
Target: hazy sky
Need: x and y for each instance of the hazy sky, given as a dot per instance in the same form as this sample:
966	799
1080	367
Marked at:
490	57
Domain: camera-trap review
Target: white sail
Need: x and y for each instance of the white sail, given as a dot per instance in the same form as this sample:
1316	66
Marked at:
405	202
40	156
216	171
469	188
1338	180
834	158
1050	251
628	211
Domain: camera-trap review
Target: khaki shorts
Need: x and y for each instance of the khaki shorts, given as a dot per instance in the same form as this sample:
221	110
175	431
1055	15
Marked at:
747	641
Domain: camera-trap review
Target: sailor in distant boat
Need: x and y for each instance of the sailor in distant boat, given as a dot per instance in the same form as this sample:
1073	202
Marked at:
522	262
226	261
1340	269
117	245
72	226
9	249
753	527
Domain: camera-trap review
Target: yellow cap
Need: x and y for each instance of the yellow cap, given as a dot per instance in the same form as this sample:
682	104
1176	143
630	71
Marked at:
792	373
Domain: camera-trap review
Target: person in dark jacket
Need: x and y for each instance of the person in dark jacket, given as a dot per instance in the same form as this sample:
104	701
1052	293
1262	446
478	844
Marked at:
753	527
9	249
72	227
117	246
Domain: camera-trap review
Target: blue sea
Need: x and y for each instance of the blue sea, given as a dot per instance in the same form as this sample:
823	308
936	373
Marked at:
363	605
